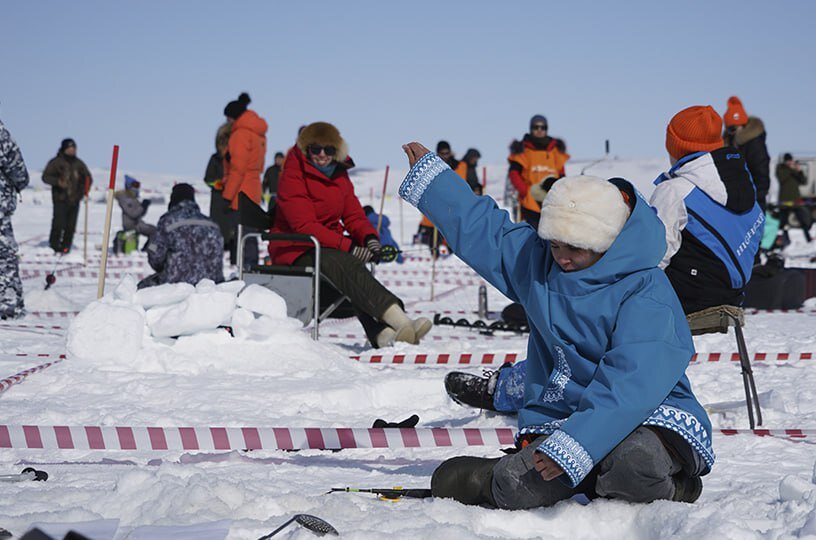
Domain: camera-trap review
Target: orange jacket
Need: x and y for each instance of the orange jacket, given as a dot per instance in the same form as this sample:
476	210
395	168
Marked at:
244	163
536	164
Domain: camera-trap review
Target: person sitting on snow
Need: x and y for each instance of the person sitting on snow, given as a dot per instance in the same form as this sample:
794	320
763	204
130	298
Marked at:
187	246
134	210
713	224
386	238
608	410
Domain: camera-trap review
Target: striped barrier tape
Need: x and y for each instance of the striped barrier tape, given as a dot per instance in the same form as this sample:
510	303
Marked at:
440	358
53	314
361	338
8	382
29	326
151	439
83	274
755	357
425	283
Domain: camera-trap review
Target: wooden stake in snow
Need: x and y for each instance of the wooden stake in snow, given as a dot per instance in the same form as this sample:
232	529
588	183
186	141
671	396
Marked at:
434	256
484	180
382	200
85	239
106	231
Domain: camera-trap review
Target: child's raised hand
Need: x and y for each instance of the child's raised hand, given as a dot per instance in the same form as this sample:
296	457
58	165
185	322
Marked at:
414	151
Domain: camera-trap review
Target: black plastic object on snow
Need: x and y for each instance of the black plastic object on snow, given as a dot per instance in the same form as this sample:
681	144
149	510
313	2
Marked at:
29	473
387	494
409	422
313	523
482	326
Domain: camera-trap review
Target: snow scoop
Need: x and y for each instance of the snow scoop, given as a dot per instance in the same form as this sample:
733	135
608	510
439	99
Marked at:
27	474
313	523
392	494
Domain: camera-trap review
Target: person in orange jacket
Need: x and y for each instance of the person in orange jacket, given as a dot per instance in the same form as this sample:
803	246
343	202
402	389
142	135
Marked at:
467	169
533	160
243	166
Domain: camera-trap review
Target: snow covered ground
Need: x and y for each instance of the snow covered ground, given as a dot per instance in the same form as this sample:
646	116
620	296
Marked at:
272	374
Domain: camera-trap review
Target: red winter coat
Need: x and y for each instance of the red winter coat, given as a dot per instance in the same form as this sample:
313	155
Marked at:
246	150
311	203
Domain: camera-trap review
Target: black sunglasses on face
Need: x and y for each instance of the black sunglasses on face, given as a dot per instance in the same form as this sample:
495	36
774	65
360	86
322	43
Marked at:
315	149
539	126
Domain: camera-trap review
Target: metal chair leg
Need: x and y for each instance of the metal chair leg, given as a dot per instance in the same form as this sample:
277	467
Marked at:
748	378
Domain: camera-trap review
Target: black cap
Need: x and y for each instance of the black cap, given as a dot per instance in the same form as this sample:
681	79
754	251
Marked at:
181	192
234	109
279	154
538	119
472	152
442	145
787	157
66	144
368	209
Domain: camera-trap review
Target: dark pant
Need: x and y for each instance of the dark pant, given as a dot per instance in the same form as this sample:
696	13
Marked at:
530	217
251	252
639	469
63	225
802	216
350	277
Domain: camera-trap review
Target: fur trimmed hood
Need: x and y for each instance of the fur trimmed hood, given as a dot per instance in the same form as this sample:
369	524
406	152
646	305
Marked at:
324	134
222	138
753	129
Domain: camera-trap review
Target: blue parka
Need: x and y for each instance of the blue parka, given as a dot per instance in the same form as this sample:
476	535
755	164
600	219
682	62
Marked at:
609	344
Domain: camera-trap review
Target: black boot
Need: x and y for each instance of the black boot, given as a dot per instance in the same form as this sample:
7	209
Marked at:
473	390
687	488
465	479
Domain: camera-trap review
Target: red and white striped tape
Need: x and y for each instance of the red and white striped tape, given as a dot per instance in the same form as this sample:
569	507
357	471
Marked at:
30	326
439	358
755	357
151	439
426	283
361	338
83	274
8	382
53	314
239	438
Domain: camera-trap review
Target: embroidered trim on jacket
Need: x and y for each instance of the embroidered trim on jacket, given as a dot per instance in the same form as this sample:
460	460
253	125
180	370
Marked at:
420	177
555	390
687	426
569	454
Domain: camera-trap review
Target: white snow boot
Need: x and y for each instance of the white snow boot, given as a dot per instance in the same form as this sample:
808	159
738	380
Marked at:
402	325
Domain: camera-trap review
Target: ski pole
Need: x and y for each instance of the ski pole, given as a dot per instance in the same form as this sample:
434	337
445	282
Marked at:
85	239
402	229
382	200
103	265
393	493
484	180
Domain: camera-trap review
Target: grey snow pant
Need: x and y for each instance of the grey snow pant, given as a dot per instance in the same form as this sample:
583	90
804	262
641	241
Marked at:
11	288
350	277
639	469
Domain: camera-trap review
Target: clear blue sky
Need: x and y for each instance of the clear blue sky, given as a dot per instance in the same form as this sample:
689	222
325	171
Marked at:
154	76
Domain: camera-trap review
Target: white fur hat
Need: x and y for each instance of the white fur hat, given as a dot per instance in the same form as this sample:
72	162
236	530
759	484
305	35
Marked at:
583	211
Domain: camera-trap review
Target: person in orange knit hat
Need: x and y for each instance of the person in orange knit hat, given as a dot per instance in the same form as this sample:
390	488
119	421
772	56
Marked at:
707	204
747	134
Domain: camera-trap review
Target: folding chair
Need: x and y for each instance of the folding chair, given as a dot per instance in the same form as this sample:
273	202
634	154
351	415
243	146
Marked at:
718	319
299	286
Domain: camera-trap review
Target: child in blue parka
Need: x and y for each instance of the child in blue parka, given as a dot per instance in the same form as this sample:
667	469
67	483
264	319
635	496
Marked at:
607	408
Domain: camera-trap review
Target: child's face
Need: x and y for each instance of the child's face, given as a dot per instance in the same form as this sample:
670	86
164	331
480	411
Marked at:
571	258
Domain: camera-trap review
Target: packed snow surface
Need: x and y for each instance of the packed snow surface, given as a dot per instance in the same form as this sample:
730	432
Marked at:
164	357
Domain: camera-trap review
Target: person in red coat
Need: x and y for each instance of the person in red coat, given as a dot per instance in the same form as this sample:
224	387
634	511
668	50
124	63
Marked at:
243	166
316	197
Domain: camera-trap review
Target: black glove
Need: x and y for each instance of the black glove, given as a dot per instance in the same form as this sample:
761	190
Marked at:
374	246
362	253
146	203
409	422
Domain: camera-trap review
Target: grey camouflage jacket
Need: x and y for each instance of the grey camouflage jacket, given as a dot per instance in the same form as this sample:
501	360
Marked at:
13	173
187	246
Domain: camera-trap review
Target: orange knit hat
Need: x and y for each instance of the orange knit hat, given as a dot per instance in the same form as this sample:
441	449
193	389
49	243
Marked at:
696	129
735	114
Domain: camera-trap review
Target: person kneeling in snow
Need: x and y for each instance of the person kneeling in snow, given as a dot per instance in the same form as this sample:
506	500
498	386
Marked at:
187	245
608	410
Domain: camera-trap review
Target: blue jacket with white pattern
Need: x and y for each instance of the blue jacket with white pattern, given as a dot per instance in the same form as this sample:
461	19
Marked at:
609	344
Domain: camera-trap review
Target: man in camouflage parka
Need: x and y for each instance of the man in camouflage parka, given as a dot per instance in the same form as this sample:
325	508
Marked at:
187	246
13	179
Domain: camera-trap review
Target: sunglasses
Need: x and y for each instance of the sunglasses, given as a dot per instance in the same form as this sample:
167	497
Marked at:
542	127
315	149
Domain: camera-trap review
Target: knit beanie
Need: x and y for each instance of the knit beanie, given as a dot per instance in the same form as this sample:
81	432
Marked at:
538	119
66	144
583	211
181	192
234	109
441	146
735	114
695	129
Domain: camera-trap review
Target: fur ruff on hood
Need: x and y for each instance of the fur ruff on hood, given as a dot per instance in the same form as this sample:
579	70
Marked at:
753	129
222	138
324	134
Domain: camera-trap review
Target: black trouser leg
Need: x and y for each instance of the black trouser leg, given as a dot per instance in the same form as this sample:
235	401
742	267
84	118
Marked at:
71	215
803	217
351	278
58	222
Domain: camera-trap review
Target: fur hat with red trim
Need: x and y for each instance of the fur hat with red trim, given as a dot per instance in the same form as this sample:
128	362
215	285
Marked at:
583	211
324	134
